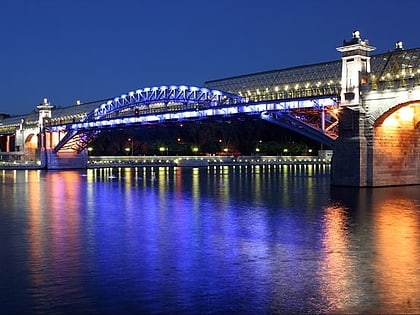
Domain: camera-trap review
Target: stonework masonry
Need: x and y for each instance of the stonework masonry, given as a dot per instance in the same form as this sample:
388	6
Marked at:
378	151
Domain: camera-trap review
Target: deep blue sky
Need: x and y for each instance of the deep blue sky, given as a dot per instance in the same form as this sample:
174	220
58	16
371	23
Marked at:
94	49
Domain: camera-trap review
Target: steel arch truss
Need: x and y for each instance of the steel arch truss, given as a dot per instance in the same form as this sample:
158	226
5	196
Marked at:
144	102
163	98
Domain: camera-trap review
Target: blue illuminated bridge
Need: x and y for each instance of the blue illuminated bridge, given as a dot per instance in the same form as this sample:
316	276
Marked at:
167	104
349	98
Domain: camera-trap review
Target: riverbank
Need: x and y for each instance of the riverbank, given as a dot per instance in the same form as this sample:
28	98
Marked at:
181	161
201	161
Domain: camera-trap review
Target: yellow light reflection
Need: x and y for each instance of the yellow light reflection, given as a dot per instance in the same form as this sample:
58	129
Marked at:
54	224
336	267
398	253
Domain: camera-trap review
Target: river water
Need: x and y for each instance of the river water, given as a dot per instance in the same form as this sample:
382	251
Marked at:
217	240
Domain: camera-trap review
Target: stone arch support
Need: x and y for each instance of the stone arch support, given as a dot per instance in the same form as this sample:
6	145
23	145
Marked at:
396	148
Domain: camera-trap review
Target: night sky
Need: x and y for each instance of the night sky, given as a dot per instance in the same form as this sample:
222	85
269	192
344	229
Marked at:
95	49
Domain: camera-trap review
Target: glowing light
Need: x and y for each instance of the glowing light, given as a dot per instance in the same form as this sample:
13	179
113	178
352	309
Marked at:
390	121
406	114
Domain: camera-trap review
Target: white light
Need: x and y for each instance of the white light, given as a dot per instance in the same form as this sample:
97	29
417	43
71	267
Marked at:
356	34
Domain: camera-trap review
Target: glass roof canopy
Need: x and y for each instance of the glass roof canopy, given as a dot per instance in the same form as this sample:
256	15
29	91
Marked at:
391	69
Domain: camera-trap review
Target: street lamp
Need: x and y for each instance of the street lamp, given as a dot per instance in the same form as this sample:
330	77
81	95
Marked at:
163	149
132	145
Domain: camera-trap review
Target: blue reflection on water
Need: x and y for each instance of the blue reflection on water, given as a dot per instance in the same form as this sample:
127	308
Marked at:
216	240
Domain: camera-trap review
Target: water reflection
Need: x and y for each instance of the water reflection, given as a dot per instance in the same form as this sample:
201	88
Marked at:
397	239
379	231
251	239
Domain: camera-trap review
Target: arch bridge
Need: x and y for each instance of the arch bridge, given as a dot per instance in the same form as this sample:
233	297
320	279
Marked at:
366	107
182	103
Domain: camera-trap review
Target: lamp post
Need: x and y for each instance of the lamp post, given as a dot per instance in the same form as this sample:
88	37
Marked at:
163	149
132	145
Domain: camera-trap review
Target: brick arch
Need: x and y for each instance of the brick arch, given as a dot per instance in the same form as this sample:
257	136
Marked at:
380	115
29	137
396	150
30	146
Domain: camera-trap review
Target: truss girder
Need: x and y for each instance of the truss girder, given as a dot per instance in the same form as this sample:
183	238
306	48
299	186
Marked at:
296	124
77	140
240	108
164	95
80	134
184	96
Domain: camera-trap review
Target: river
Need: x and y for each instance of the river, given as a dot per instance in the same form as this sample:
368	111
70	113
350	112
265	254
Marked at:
216	240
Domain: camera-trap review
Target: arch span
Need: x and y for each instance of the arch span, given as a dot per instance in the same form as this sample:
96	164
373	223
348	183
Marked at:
164	98
395	147
402	114
145	101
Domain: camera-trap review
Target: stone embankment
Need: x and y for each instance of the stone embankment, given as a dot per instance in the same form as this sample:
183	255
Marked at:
181	161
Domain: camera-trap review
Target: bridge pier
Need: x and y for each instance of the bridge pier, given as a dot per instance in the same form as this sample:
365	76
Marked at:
379	129
378	152
63	160
350	164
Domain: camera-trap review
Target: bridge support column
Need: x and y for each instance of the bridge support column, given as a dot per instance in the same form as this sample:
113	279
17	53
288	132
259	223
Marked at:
350	163
66	160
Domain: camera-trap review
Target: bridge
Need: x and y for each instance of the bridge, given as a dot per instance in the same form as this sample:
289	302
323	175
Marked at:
365	107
